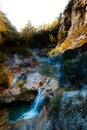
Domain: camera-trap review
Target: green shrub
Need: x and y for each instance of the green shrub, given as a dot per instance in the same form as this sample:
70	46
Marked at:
3	58
23	51
72	71
17	49
69	54
54	104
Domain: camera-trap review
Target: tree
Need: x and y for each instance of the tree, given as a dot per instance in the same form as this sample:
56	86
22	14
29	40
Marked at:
27	33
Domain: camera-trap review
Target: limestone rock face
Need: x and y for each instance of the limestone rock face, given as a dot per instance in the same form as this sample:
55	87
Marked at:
78	15
65	22
24	87
74	21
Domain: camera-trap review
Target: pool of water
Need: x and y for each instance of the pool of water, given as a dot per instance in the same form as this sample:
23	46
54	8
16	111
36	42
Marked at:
15	110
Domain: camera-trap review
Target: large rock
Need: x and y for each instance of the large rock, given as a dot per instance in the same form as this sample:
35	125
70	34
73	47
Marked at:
25	85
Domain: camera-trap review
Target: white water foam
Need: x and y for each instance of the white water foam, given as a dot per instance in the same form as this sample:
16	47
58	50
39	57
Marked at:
35	108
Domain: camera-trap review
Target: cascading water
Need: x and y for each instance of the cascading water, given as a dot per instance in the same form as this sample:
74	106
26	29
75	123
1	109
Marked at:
35	107
25	110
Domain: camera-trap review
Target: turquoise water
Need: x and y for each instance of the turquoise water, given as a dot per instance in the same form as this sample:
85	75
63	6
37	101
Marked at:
16	110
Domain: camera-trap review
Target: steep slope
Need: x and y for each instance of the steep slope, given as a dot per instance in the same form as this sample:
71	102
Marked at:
6	28
74	22
9	46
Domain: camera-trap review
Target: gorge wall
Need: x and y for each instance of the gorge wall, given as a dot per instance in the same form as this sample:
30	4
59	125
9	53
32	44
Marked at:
74	24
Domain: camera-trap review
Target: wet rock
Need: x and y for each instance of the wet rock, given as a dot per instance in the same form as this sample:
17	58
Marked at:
71	115
38	123
24	87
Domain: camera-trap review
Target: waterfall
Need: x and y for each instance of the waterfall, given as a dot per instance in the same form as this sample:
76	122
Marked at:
35	107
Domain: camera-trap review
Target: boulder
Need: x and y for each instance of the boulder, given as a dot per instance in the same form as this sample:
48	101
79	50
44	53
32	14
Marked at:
25	85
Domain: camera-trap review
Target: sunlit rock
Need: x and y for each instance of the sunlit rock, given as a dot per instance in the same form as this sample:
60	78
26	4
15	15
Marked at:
74	24
24	86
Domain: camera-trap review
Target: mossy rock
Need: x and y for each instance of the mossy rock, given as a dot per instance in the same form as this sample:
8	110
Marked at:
5	79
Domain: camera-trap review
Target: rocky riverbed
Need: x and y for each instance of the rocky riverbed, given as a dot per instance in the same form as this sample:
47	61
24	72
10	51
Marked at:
27	79
63	108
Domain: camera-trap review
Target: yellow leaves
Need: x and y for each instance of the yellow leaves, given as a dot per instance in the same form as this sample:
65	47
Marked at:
60	48
62	36
2	27
2	22
65	45
83	41
52	39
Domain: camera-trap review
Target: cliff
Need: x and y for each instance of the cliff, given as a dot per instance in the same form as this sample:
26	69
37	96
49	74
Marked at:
6	28
5	24
74	25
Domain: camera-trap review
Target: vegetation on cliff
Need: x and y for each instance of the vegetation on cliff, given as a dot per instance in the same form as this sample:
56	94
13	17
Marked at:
75	18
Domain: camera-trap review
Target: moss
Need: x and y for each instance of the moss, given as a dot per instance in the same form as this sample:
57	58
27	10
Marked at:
24	90
75	37
65	45
80	97
60	48
4	78
53	51
55	104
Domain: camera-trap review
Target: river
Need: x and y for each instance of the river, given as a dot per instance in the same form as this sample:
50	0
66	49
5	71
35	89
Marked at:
22	110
